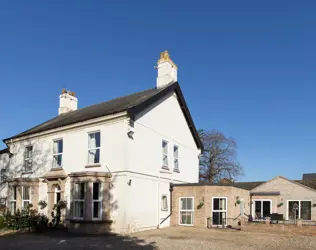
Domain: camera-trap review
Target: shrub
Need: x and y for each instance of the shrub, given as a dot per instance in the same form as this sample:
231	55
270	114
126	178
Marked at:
28	217
2	223
56	214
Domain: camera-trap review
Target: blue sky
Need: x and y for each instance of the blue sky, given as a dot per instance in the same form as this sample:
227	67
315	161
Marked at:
247	68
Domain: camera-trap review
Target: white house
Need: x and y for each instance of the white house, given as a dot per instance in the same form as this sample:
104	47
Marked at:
113	162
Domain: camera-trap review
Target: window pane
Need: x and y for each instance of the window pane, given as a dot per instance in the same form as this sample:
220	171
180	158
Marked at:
25	204
215	204
13	207
306	212
219	218
175	151
257	209
82	193
183	204
165	160
13	193
189	204
96	209
165	147
266	205
176	164
60	146
164	203
78	210
186	218
26	193
79	191
28	152
58	161
28	165
293	209
96	190
97	139
94	140
94	156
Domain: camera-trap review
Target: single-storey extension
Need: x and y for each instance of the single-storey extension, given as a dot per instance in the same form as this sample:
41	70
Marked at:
225	203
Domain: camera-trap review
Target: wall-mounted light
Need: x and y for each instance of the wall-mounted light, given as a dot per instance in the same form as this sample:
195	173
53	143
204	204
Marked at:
129	182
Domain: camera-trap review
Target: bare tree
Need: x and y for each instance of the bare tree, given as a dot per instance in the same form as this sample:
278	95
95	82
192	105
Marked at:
219	159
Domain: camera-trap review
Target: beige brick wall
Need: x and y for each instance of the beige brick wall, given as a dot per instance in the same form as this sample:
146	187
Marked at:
288	191
206	193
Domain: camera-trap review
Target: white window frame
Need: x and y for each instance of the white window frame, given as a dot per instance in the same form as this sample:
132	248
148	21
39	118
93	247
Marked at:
26	159
100	200
218	211
186	210
95	148
162	203
13	197
56	154
253	209
29	200
299	211
3	175
165	154
175	158
79	200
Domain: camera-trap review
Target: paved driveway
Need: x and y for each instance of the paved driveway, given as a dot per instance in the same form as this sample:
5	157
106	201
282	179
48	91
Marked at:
168	238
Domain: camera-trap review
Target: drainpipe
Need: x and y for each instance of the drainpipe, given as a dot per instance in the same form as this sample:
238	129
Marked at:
170	190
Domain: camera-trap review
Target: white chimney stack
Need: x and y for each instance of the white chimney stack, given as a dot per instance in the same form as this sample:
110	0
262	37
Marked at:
167	70
67	102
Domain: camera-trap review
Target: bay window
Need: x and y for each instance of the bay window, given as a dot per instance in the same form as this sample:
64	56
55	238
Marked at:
13	194
26	196
97	200
79	200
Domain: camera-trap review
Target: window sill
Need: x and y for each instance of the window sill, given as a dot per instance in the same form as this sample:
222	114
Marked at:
176	170
27	172
93	166
165	168
56	168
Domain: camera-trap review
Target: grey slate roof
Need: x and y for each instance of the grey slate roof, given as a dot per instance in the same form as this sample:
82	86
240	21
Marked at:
132	104
242	185
246	185
311	176
4	151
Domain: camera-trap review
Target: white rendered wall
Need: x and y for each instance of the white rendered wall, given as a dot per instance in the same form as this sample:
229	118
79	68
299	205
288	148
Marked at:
75	150
4	164
162	121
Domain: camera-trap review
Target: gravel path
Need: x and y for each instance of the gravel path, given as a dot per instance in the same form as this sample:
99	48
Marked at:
168	238
194	238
